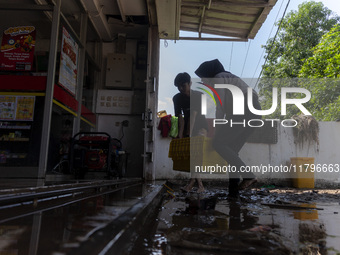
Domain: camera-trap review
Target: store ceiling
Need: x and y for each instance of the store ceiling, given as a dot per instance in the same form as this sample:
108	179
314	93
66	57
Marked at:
107	18
231	19
237	20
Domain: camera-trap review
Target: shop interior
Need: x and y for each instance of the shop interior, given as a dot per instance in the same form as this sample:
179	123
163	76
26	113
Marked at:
109	69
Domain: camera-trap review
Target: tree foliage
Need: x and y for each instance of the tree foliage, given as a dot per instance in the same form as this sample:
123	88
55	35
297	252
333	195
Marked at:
297	52
325	59
300	32
323	73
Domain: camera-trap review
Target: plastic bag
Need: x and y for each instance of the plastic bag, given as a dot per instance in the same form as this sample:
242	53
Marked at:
174	127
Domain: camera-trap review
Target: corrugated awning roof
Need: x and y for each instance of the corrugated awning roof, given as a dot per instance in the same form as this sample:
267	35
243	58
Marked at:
234	20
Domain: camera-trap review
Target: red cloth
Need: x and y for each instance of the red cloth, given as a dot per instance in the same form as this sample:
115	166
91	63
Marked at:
165	125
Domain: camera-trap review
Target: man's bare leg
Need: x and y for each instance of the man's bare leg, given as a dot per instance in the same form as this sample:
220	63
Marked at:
189	186
200	185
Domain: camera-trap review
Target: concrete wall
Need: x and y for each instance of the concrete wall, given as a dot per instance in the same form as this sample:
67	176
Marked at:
133	137
273	154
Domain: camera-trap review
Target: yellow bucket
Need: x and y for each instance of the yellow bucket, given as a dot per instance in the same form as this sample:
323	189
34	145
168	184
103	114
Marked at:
303	175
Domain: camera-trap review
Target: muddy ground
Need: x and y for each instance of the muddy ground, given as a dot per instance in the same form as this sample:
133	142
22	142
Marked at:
265	220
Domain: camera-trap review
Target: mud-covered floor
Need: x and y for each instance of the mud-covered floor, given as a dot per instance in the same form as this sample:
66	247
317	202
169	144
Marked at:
266	220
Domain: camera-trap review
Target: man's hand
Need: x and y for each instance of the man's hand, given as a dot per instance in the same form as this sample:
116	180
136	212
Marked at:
180	126
202	132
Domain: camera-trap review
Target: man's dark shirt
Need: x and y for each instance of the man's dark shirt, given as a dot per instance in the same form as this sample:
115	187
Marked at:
182	106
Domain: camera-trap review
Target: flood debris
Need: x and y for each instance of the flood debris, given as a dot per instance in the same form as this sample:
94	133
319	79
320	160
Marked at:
312	238
307	130
311	232
205	203
310	249
263	228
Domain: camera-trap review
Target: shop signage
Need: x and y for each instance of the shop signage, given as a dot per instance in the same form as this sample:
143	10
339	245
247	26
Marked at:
20	108
68	63
17	48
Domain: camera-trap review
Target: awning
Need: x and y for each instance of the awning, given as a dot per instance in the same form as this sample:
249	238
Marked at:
229	20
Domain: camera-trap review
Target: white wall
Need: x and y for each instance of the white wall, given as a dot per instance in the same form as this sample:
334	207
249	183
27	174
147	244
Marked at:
274	154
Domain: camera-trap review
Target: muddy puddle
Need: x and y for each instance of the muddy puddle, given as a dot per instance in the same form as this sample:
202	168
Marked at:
263	221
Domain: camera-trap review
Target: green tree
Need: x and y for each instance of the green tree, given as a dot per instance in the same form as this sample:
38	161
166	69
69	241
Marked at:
325	59
323	73
300	32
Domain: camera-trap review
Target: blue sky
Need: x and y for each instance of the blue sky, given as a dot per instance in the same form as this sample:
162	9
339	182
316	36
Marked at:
186	56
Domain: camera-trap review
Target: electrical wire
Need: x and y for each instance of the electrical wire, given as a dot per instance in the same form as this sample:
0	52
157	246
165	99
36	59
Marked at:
122	133
271	47
245	58
277	15
231	55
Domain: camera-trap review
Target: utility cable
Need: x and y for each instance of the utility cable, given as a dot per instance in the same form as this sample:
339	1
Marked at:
122	133
231	55
277	15
271	47
245	58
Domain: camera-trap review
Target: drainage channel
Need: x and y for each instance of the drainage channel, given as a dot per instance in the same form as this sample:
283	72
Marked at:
88	218
120	235
16	203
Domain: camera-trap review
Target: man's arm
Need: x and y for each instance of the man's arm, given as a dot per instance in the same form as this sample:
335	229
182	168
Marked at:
178	113
201	131
193	115
180	126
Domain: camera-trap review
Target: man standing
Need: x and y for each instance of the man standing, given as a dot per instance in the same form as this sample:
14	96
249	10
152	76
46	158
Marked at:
229	139
194	123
